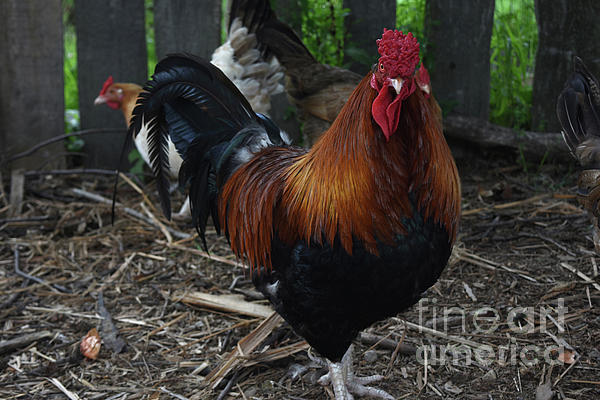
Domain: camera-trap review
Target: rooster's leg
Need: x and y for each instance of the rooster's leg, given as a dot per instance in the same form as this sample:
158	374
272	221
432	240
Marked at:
337	377
342	378
184	212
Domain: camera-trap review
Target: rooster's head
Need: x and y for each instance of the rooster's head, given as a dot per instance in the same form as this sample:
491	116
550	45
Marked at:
393	77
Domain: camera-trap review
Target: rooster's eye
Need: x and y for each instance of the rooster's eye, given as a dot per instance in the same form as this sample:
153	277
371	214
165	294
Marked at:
381	67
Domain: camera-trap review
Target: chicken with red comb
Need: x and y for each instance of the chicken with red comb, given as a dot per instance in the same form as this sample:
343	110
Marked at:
123	96
119	95
339	236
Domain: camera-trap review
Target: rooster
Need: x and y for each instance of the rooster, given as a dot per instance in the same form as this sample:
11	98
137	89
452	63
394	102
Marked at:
337	237
578	110
241	58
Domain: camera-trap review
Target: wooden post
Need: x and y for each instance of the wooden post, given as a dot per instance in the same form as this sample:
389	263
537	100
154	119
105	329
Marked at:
110	41
566	28
365	25
31	82
458	36
191	26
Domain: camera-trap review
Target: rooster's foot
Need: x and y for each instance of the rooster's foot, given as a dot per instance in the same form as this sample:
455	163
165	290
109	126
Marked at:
345	383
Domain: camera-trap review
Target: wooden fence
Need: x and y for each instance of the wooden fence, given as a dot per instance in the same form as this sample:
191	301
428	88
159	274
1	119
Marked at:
111	40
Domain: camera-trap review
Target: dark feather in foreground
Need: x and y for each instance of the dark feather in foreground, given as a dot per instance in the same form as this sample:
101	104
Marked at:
329	296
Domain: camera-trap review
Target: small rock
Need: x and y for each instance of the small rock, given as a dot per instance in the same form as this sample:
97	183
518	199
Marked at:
544	392
371	356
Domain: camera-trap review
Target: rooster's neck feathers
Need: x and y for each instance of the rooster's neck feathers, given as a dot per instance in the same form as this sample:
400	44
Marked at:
352	185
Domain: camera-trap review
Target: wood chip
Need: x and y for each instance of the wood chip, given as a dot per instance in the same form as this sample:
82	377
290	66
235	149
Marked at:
512	204
227	302
245	347
23	340
469	292
67	392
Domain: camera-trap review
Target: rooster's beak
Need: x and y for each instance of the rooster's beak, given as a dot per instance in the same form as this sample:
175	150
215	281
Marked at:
100	100
397	84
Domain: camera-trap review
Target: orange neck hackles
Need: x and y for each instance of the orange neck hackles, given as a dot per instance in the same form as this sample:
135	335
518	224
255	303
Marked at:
352	185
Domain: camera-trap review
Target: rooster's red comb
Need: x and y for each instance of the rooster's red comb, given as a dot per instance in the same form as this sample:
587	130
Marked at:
106	85
399	52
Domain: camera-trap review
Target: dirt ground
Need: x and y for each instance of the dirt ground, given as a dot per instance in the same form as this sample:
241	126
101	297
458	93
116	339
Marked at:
515	315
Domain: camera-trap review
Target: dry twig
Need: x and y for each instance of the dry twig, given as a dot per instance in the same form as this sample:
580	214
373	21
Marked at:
133	213
245	347
225	302
581	275
23	340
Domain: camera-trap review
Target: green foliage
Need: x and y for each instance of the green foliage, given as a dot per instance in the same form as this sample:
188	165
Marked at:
150	46
513	47
137	163
71	91
224	20
73	143
70	57
410	17
323	29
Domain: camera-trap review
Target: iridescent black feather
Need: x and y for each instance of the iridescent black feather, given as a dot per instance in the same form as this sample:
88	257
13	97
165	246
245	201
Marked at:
208	120
192	102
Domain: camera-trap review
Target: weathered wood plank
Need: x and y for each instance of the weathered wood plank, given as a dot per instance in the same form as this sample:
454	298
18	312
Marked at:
31	81
110	41
485	134
566	28
17	191
193	26
458	38
365	25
